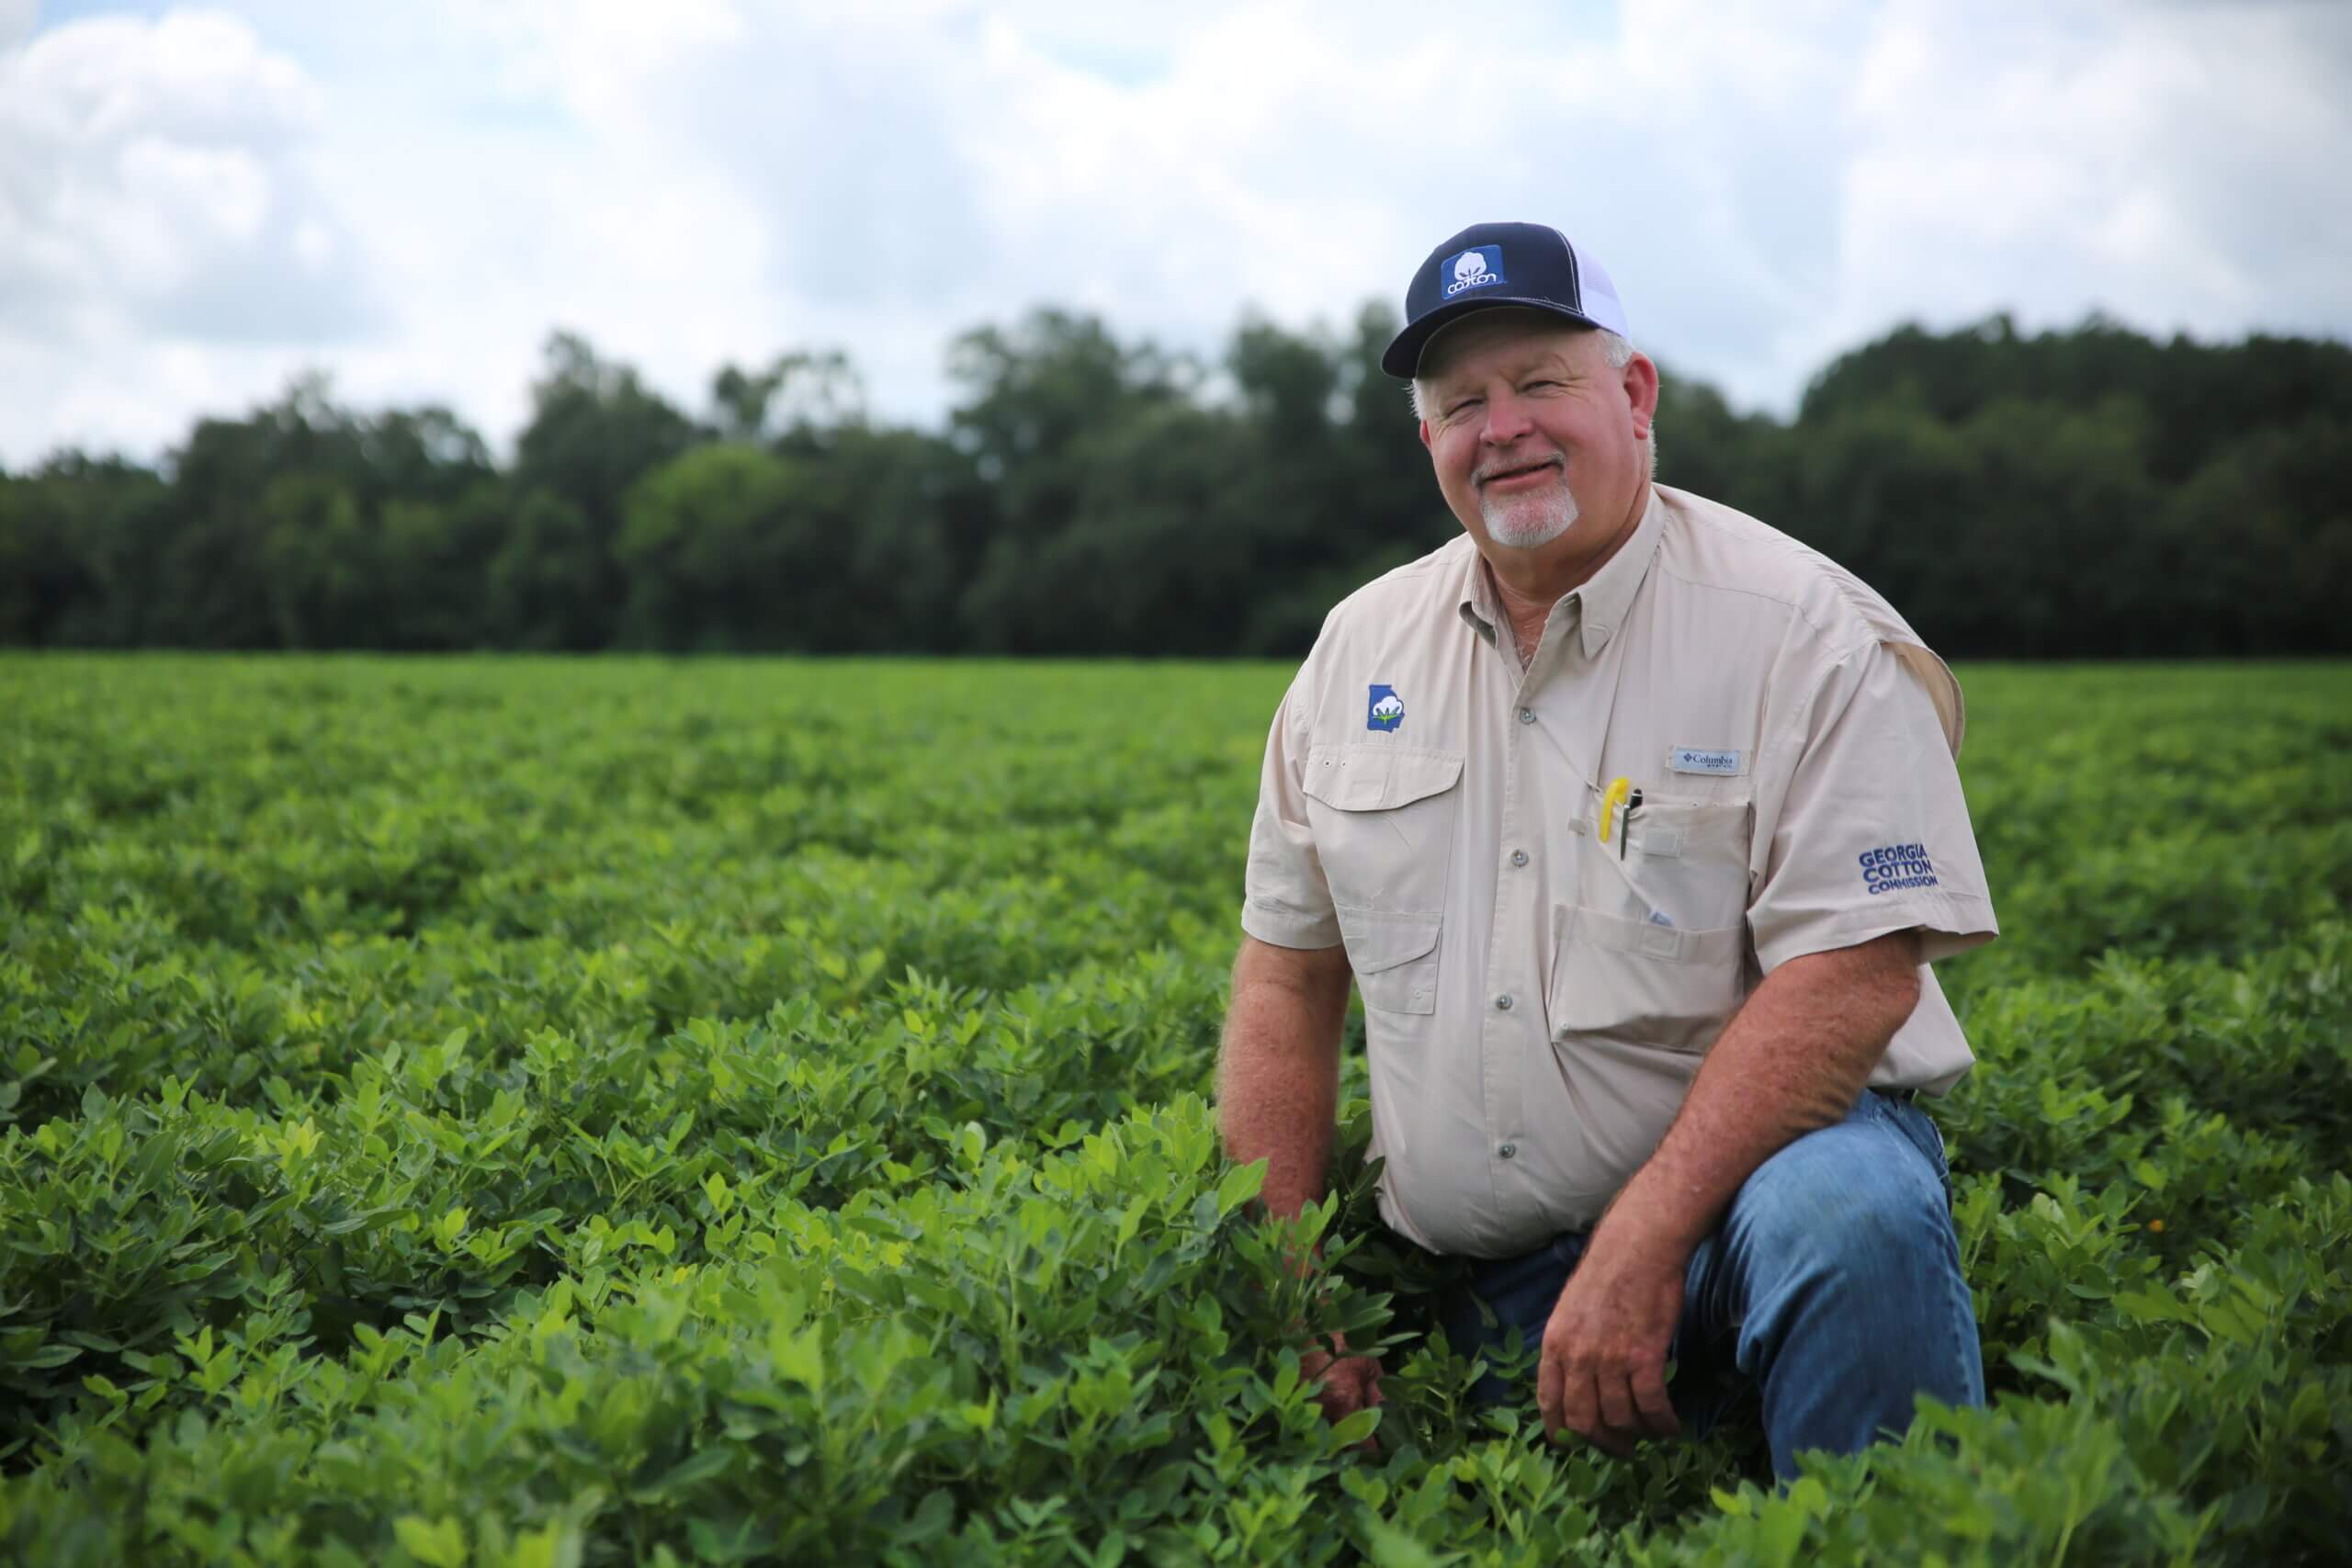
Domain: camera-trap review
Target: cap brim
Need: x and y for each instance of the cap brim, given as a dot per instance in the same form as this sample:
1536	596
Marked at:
1402	358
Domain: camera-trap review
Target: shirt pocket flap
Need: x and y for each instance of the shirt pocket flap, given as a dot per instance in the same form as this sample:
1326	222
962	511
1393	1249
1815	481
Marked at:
1647	939
1636	983
1381	939
1688	828
1378	778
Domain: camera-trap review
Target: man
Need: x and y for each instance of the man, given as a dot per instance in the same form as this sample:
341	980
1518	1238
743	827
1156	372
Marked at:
1637	826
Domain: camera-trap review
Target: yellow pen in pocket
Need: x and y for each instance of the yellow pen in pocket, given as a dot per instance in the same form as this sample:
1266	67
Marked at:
1610	799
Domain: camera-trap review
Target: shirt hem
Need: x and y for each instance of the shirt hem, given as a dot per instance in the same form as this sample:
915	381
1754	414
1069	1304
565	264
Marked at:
1283	928
1947	926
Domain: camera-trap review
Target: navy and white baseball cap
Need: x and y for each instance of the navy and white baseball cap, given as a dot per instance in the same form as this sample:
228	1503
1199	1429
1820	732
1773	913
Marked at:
1502	263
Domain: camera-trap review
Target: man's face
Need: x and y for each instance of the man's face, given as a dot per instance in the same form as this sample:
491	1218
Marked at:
1532	432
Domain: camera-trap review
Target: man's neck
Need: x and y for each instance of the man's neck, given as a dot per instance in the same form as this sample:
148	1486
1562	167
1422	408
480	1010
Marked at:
1527	583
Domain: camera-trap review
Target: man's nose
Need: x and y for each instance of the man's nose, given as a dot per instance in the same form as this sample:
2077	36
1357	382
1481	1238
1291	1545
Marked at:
1507	420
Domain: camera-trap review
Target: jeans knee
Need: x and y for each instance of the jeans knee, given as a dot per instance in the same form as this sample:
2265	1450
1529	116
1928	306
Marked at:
1841	1226
1890	1224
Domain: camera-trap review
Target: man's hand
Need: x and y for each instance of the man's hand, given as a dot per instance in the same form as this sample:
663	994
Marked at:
1345	1384
1603	1370
1793	1059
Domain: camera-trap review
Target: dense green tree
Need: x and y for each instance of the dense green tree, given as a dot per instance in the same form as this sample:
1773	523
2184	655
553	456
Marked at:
2200	397
437	557
707	548
915	518
801	399
75	547
2084	492
594	430
1033	397
322	565
2262	534
1705	445
548	583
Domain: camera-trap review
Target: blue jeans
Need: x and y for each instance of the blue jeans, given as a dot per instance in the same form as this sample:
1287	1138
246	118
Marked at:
1832	1290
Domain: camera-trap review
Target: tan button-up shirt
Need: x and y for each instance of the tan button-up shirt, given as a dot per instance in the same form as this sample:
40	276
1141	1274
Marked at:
1537	1001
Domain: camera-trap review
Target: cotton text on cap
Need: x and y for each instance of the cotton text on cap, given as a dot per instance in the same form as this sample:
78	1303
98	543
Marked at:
1530	265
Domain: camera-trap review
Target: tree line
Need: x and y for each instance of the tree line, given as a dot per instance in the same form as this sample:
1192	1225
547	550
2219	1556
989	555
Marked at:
2090	491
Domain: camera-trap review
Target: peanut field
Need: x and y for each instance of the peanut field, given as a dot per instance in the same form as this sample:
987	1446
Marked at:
542	1112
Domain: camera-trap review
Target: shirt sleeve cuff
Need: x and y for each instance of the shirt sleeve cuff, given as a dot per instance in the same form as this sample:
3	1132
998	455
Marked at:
1946	926
1289	928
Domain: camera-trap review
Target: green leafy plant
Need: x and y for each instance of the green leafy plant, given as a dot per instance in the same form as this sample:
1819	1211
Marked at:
539	1113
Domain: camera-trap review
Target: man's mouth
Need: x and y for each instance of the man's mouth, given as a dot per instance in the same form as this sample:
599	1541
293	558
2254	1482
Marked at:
1519	470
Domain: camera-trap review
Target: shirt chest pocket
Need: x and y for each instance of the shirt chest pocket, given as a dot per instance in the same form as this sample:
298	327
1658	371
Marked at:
1384	818
1657	956
1687	860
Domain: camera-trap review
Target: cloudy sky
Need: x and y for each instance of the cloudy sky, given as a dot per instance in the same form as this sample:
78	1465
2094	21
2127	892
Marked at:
196	201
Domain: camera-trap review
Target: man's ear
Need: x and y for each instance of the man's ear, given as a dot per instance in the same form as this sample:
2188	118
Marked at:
1641	390
1425	432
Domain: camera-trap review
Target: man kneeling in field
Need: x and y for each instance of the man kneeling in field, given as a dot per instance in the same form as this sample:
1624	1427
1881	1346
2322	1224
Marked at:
1636	824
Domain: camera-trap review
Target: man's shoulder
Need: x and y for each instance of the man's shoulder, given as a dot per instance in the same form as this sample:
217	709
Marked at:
1720	549
1714	549
1428	585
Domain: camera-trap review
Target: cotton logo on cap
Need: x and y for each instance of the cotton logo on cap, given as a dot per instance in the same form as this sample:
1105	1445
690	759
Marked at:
1474	268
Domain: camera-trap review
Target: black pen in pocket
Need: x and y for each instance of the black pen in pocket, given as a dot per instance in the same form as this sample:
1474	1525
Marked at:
1625	821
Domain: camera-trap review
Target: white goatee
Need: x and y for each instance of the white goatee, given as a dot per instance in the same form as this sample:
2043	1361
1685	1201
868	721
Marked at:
1524	522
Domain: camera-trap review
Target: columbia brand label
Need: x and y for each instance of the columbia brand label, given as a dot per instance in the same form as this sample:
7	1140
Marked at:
1474	268
1895	867
1701	760
1385	710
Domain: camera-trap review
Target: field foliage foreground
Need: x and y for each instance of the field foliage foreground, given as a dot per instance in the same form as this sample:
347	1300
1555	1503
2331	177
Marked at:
542	1113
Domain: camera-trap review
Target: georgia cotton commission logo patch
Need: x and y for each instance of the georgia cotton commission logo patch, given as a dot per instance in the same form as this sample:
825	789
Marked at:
1385	710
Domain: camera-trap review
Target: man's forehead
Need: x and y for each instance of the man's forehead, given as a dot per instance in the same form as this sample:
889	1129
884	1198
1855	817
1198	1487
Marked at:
1503	336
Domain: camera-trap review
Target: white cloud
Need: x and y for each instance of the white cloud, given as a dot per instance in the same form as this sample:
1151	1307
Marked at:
154	193
191	208
2178	165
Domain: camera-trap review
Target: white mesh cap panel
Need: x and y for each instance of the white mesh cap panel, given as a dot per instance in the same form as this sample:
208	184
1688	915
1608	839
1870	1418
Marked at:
1599	292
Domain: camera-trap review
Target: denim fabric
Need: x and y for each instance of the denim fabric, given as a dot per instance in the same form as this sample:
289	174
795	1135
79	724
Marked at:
1829	1295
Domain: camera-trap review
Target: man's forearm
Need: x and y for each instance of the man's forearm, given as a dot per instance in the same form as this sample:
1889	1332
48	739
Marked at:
1791	1061
1278	1071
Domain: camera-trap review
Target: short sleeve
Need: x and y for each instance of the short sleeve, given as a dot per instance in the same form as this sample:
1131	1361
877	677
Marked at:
1285	900
1860	825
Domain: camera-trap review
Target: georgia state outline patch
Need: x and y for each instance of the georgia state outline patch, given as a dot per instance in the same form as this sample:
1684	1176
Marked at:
1385	710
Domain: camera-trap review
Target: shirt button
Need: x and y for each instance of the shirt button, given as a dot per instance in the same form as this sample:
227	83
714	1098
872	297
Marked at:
1518	857
1507	1150
1527	715
1503	1001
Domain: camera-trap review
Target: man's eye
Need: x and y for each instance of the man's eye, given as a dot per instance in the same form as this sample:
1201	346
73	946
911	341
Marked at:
1457	410
1538	385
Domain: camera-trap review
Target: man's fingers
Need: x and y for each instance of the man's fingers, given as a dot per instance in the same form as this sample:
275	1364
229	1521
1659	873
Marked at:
1580	1404
1329	1376
1550	1372
1349	1384
1659	1418
1372	1399
1616	1396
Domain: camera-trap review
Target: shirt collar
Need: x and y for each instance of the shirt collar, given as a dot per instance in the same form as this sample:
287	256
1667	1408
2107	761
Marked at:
1602	601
